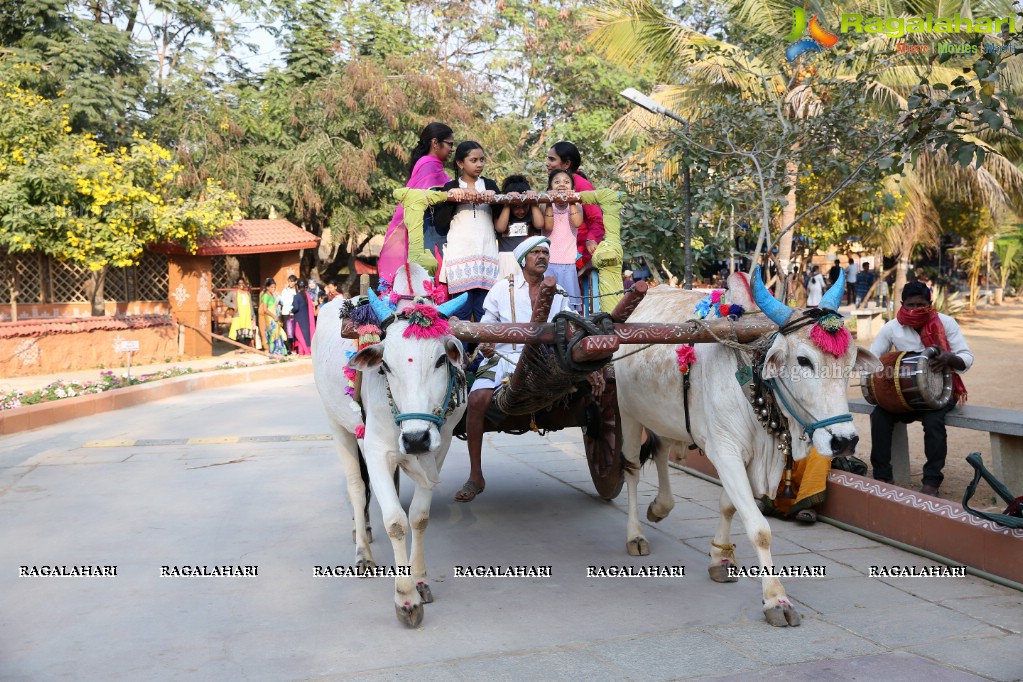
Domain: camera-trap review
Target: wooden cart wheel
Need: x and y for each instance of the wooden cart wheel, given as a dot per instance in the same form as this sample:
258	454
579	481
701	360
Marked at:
602	437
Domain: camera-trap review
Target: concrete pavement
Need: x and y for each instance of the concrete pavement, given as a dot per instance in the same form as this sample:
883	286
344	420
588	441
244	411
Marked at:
243	476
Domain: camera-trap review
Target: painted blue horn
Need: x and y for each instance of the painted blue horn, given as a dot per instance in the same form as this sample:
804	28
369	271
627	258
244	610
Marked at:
449	308
778	312
381	309
833	298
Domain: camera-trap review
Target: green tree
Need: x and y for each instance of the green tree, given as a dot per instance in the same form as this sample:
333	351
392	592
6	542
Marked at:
744	59
63	194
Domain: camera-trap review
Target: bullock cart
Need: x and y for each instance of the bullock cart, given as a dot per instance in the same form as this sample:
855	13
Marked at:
382	416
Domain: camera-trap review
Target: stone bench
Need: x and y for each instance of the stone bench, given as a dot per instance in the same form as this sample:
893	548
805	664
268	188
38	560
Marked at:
868	323
1004	426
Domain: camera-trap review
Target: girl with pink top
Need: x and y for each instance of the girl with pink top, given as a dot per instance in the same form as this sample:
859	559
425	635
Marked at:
561	225
566	155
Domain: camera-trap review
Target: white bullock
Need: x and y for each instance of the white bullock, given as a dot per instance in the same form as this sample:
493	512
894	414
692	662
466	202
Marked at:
413	395
808	392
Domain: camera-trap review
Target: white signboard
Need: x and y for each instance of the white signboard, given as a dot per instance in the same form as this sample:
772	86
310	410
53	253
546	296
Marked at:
127	346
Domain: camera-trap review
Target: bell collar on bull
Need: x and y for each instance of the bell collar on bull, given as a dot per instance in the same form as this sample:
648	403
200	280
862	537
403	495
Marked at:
828	333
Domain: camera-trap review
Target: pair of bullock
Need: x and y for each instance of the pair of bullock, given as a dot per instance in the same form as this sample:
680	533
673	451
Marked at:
408	381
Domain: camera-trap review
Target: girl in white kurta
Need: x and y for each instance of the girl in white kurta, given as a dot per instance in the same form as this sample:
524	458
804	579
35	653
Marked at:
470	257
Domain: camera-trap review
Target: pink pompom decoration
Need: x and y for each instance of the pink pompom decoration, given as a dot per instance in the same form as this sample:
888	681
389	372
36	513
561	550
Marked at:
394	297
437	292
686	357
715	296
424	322
360	431
836	343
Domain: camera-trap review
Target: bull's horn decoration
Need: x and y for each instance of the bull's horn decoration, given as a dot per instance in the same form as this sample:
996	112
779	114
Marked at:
778	312
381	309
833	299
449	307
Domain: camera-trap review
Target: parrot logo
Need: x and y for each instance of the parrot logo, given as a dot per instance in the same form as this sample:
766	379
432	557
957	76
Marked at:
820	38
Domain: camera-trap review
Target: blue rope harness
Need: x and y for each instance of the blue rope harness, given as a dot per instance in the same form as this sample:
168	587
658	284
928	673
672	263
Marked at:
440	414
808	427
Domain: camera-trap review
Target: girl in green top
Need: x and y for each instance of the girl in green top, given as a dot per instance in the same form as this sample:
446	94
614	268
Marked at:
276	339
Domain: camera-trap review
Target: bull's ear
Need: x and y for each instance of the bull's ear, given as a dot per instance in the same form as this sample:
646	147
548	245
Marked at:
774	363
453	348
866	361
367	358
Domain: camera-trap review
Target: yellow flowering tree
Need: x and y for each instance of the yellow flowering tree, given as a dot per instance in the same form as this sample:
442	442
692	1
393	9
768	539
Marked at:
68	196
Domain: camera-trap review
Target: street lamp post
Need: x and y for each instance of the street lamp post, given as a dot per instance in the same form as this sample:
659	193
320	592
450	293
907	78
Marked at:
644	102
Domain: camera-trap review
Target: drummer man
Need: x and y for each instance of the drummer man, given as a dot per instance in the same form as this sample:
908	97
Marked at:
533	255
916	327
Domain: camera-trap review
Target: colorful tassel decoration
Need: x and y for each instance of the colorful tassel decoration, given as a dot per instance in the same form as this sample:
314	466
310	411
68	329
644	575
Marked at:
686	357
424	322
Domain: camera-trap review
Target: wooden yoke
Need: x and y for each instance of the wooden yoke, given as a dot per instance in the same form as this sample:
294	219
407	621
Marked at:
744	330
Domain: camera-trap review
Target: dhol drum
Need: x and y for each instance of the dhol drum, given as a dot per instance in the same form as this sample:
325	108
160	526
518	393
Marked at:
907	382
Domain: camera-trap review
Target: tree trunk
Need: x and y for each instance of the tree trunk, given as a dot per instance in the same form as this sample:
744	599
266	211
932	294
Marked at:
788	214
94	288
234	270
900	281
12	283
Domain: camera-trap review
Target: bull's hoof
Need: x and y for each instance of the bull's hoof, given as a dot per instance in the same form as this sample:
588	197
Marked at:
364	566
656	517
369	535
638	547
410	615
782	615
719	573
424	593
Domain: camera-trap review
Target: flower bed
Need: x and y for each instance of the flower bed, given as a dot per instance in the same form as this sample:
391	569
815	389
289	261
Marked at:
108	381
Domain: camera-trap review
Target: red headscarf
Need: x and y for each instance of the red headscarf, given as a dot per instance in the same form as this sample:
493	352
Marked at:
932	333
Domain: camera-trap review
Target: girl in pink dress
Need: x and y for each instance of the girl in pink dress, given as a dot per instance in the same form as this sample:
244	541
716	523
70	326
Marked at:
561	224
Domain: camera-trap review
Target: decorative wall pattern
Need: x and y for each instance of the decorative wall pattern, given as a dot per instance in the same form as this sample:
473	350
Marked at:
933	505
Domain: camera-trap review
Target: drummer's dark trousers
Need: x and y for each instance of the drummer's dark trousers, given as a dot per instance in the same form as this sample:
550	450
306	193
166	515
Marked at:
882	423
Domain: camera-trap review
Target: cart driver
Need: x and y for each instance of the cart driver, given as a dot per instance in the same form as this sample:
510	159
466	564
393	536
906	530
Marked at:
918	326
510	300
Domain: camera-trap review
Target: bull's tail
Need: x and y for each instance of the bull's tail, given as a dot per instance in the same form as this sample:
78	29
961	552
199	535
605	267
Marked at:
650	449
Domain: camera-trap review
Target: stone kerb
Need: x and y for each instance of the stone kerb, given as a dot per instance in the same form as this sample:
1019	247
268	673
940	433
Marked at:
57	411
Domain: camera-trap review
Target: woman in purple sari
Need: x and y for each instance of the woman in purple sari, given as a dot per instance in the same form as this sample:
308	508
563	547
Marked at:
436	143
304	311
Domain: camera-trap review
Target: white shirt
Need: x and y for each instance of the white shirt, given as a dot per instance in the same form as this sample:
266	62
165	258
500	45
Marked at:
903	338
815	292
286	300
497	308
851	272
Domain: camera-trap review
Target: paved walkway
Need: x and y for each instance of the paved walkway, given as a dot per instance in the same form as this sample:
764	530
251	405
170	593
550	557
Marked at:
257	483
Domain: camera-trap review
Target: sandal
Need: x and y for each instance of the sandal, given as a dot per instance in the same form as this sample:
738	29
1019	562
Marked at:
469	491
806	516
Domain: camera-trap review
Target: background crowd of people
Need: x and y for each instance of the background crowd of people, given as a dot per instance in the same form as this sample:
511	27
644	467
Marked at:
281	323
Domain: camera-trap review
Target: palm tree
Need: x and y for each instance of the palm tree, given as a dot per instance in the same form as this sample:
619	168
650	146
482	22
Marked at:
696	69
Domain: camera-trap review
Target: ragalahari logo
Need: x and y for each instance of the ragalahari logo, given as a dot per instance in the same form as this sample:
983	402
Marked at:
820	38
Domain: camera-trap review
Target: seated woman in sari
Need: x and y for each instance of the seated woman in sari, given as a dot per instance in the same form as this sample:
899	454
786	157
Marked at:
239	300
304	310
276	339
